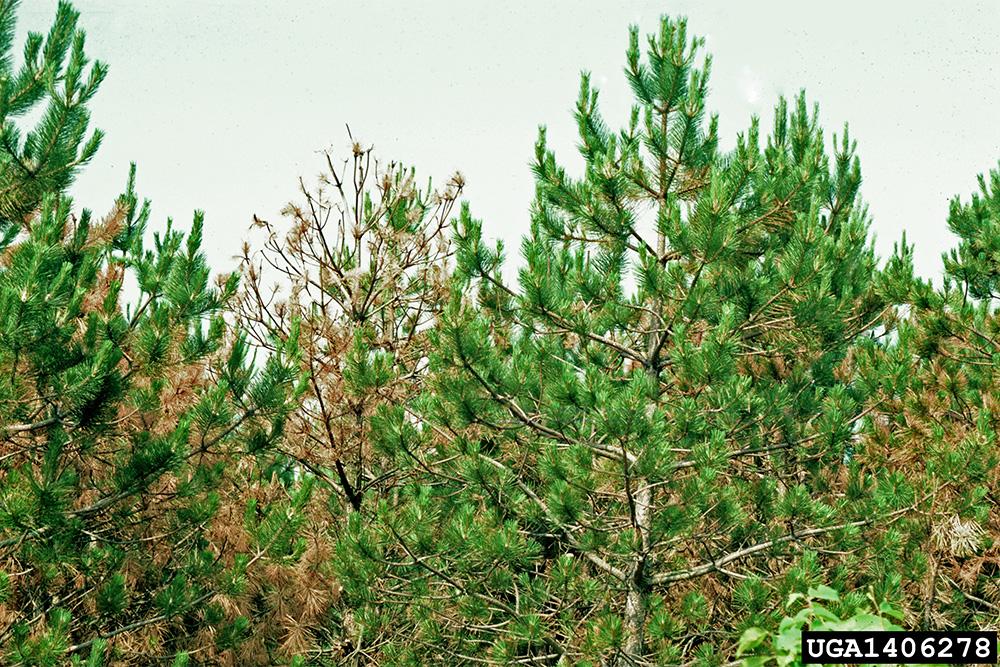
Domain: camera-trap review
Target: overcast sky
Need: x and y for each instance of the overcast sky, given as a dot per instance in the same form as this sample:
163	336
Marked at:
225	103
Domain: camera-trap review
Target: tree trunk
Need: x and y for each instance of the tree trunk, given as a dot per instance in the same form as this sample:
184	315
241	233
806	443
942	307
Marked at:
638	580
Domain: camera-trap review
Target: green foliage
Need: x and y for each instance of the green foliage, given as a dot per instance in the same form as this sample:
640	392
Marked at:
975	264
784	647
701	410
125	430
931	430
53	76
664	398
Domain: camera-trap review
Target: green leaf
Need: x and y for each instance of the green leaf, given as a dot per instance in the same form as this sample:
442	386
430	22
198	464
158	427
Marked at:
822	592
751	638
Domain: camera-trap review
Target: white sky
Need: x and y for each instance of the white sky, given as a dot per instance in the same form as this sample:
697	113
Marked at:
225	103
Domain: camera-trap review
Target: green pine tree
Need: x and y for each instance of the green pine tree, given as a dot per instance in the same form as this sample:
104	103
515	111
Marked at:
641	448
929	436
53	81
130	433
142	503
932	430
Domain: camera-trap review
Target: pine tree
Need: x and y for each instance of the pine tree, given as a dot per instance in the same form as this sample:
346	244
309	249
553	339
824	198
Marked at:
133	437
701	417
932	428
360	276
54	81
641	448
144	511
929	435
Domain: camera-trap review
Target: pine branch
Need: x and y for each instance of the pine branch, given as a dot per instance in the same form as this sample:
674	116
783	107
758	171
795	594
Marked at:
24	428
716	564
602	564
518	412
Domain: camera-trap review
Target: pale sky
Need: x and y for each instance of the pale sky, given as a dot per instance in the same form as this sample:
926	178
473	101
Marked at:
225	103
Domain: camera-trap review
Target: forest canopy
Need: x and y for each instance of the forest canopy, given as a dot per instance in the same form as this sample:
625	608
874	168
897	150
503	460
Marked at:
702	416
